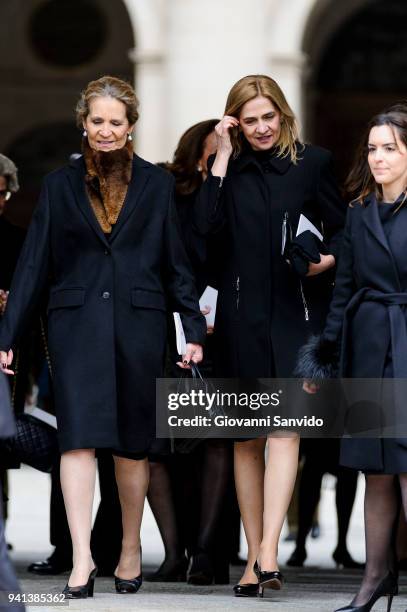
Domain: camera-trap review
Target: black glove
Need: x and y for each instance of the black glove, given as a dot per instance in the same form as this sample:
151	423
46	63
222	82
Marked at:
304	249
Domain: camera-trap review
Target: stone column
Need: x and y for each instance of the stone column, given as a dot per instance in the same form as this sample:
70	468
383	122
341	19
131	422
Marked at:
288	71
151	131
210	45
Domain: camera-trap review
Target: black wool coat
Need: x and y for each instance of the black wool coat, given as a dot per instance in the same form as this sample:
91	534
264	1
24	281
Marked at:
260	320
108	302
11	240
368	314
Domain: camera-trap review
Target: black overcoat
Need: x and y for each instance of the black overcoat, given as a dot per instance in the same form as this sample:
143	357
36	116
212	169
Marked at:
260	320
108	300
368	313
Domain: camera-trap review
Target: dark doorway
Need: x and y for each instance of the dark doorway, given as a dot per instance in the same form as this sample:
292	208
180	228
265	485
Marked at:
361	70
54	48
35	154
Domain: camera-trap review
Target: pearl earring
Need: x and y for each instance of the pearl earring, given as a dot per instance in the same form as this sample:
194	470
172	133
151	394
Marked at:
129	137
199	168
84	133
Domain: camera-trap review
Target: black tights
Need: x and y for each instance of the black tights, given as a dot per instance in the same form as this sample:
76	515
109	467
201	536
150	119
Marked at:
162	502
382	507
309	494
187	495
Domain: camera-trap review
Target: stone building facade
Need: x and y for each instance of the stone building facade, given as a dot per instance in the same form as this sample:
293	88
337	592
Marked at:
338	62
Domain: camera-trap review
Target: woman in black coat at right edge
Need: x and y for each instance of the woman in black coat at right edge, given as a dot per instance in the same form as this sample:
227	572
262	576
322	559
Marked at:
368	317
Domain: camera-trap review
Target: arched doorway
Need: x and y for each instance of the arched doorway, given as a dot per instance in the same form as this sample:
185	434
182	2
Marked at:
36	152
54	47
356	70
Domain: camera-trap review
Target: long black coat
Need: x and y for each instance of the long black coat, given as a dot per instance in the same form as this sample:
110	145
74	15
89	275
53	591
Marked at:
260	320
368	313
107	305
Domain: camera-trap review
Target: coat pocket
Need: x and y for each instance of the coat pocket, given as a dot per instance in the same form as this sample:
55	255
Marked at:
144	298
66	298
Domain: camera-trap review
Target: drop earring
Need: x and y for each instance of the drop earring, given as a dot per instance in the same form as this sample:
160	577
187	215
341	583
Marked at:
129	137
84	134
199	168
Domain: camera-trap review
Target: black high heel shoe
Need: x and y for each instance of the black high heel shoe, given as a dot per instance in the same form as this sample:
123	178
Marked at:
246	590
268	580
84	590
129	585
387	587
174	570
343	559
297	557
201	571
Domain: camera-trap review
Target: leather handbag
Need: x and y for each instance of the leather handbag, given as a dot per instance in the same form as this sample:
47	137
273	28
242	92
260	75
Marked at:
197	382
34	444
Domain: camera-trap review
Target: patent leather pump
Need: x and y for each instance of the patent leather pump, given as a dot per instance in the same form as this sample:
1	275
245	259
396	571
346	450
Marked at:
388	587
129	585
268	580
246	590
83	591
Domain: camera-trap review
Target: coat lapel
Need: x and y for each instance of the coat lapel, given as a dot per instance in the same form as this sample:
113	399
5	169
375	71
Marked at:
76	175
375	228
139	179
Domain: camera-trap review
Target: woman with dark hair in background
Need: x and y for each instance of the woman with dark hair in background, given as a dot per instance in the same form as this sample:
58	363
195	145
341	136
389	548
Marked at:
260	181
11	241
367	323
201	475
104	245
189	168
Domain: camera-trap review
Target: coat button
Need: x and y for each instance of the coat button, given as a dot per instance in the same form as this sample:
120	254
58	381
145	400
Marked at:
105	295
107	252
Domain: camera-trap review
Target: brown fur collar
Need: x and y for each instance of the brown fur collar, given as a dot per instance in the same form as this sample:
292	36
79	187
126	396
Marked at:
108	174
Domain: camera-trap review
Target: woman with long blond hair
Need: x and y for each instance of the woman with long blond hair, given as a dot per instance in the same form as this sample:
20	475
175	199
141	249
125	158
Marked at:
272	292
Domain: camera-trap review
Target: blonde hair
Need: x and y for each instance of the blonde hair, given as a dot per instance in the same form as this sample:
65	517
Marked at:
253	86
108	86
